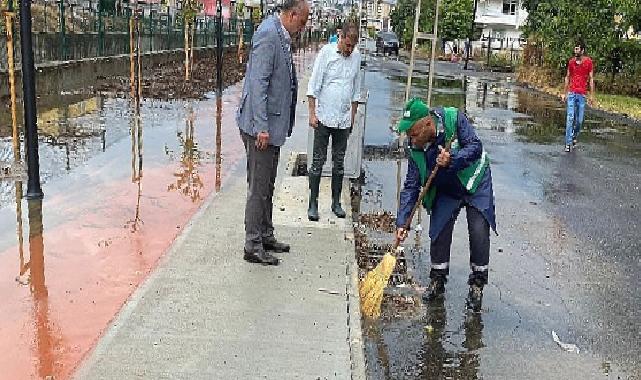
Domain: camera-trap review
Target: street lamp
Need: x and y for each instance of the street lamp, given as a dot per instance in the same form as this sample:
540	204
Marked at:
29	101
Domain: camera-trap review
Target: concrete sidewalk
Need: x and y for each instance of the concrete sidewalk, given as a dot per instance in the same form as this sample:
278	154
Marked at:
205	313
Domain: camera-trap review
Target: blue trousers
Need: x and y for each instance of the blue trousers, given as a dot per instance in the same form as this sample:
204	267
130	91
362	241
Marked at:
479	236
574	116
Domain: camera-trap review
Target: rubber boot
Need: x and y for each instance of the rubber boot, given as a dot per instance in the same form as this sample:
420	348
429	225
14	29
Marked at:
337	188
435	290
312	211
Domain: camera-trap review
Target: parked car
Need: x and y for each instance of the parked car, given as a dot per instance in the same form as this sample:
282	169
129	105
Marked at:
387	42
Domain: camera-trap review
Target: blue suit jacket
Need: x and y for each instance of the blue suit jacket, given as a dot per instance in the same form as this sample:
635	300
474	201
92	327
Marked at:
270	91
450	194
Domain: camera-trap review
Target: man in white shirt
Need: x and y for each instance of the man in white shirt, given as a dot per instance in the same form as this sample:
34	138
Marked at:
333	93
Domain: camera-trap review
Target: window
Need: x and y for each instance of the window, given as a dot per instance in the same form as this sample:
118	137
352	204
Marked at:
509	7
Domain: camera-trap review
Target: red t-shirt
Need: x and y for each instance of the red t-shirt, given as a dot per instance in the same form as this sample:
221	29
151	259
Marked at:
579	74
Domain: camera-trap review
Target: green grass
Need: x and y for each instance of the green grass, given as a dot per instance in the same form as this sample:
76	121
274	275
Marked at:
628	105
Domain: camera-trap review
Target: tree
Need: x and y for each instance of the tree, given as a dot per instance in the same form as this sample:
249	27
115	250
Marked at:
455	18
402	18
601	24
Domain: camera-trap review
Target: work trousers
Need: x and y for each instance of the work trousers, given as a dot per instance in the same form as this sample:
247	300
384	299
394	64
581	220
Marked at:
339	137
262	167
479	236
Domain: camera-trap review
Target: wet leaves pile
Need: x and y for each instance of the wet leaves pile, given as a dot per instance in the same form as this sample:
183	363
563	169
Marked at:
370	252
379	221
167	81
377	152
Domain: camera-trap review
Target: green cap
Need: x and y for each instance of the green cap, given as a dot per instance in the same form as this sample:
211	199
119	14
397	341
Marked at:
415	110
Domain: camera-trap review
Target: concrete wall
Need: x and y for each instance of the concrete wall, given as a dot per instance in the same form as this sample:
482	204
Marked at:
53	78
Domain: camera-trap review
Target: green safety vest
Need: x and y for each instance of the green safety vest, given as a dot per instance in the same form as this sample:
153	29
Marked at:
470	176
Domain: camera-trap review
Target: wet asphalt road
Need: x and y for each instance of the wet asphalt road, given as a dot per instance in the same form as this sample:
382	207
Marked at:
567	257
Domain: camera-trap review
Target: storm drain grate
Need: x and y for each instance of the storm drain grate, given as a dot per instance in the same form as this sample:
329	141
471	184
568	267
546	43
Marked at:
386	152
370	254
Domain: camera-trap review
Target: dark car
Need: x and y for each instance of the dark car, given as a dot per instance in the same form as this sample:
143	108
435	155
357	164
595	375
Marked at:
387	42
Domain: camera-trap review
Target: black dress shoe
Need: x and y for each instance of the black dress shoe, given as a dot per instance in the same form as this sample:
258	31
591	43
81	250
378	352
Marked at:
274	245
260	257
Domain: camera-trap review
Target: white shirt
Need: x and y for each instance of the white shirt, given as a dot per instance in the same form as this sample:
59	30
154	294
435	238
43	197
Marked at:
335	83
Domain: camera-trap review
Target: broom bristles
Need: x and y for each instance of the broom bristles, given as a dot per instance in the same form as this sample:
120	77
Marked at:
373	285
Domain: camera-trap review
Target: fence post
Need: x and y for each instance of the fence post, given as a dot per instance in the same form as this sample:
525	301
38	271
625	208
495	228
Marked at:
167	47
45	15
489	48
151	27
101	33
61	21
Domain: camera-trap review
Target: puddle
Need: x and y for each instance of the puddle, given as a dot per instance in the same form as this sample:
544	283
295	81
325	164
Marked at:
523	130
120	185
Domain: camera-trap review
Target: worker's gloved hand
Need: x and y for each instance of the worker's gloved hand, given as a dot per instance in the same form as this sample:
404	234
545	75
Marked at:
401	234
443	159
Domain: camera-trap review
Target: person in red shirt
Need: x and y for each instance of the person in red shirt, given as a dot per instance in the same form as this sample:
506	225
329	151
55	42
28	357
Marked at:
580	71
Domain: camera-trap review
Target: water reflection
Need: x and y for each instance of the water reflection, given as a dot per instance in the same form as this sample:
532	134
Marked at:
136	164
219	122
45	341
441	361
425	348
20	234
32	274
187	178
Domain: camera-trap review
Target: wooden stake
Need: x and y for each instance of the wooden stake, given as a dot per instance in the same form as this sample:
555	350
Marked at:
186	51
191	49
139	56
132	65
12	84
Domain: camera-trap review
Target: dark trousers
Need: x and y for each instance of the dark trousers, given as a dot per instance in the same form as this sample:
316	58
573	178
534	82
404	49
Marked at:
262	167
339	145
479	234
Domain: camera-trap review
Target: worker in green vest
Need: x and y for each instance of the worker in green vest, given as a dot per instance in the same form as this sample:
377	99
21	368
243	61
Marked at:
445	137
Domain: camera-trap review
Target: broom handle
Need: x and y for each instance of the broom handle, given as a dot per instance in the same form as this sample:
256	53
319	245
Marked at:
424	191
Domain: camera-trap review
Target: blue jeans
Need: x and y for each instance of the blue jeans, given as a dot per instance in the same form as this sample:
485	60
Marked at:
575	113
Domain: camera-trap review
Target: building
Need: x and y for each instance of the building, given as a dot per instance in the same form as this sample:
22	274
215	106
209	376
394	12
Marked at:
378	14
385	7
501	20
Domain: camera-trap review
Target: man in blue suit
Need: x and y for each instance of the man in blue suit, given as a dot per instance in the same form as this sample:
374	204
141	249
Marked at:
265	118
463	180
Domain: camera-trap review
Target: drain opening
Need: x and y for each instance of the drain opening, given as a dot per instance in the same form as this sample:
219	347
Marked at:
300	165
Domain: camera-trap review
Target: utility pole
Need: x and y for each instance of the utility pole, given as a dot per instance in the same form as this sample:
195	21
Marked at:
471	35
29	99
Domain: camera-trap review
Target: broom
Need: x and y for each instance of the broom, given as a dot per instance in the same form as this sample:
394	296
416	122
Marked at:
372	286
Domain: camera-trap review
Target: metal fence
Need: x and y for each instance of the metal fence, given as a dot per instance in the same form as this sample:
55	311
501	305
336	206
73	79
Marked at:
65	30
502	54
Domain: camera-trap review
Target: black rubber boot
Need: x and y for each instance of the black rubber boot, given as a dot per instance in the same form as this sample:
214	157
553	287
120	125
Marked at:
312	211
337	188
435	290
